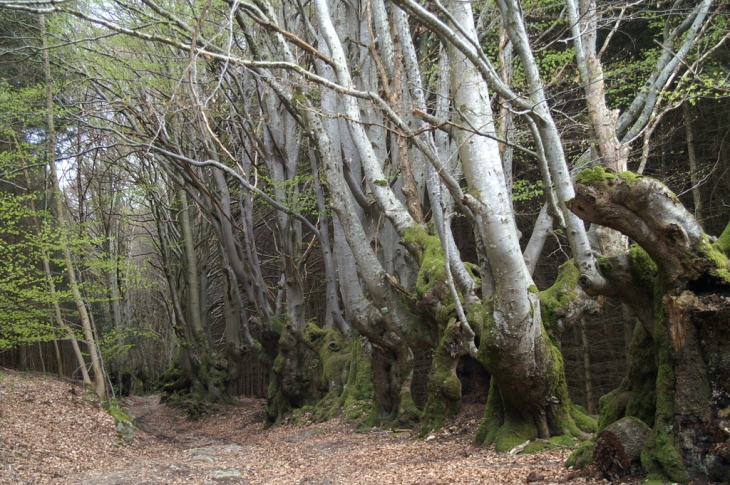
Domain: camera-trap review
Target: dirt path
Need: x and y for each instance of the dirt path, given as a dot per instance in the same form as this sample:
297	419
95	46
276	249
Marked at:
51	433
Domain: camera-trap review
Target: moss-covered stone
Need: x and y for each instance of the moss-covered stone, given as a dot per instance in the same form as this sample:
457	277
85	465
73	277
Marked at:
582	456
123	423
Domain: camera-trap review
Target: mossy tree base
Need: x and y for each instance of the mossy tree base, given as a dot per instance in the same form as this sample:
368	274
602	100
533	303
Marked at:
291	377
347	375
335	377
444	387
193	383
516	410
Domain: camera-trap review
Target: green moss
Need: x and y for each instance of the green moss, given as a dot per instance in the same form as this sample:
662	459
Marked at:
538	446
661	458
603	265
593	175
431	266
473	270
118	413
629	177
451	388
533	289
636	395
493	418
642	377
278	324
643	268
515	431
480	316
564	441
334	356
716	254
278	363
277	405
123	423
358	397
581	457
601	174
566	418
444	388
381	182
723	242
560	295
612	406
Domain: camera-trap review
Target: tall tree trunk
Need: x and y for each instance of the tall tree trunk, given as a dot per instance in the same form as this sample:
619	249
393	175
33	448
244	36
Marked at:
694	175
591	407
52	291
99	384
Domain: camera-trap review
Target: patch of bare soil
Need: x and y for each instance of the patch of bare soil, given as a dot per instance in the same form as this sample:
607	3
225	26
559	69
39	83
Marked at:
54	432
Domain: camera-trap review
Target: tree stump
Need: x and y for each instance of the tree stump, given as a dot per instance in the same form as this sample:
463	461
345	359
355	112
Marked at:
618	449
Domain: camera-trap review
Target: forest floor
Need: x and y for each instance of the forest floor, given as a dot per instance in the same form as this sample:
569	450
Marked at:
52	431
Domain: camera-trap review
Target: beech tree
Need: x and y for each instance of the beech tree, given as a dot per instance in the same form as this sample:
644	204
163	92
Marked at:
386	114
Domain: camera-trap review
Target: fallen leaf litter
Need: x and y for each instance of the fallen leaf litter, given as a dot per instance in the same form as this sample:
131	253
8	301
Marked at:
54	432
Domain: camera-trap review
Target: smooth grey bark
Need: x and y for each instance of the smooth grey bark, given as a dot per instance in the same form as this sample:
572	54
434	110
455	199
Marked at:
333	313
540	231
377	182
433	183
552	143
282	152
483	171
190	259
584	19
186	358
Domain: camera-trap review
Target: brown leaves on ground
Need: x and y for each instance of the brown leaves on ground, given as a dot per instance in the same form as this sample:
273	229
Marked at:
53	432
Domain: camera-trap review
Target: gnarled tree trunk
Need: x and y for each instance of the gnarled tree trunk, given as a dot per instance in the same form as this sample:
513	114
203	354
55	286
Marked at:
690	331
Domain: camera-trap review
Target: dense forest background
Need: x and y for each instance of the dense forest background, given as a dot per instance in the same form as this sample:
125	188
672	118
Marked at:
300	201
